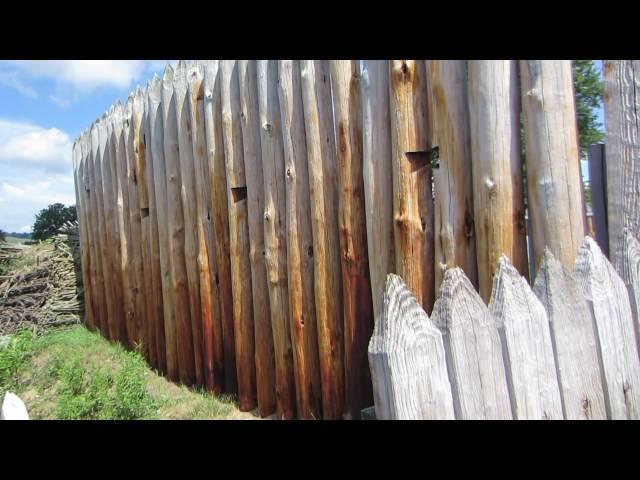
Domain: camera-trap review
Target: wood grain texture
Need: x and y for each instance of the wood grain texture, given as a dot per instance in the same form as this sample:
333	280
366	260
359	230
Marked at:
407	360
122	201
264	348
321	157
622	137
498	197
575	341
80	153
97	280
138	246
299	237
358	307
553	166
154	238
274	224
108	201
155	145
184	342
213	355
105	305
412	198
527	346
238	235
220	216
189	212
473	349
628	266
378	184
142	206
606	292
455	242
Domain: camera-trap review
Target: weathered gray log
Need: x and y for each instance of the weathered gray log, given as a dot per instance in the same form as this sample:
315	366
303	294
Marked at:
622	117
527	347
473	349
575	340
628	266
606	292
407	360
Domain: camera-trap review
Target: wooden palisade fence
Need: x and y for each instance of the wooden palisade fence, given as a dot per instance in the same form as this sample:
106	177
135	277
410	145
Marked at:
238	219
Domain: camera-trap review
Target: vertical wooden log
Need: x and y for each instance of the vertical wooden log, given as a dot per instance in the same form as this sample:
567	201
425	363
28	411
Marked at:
220	217
412	199
527	346
378	184
264	356
407	358
323	190
89	202
154	249
126	248
622	118
598	186
156	147
300	269
238	236
494	108
137	280
609	300
358	307
87	196
575	341
78	182
184	340
106	300
455	243
152	302
80	154
629	267
189	209
553	163
473	349
213	356
109	223
274	220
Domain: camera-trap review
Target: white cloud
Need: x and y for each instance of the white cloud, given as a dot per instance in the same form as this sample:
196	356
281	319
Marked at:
35	171
85	75
60	101
12	79
22	142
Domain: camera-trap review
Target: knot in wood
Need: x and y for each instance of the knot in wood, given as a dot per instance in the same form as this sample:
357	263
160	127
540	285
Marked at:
267	127
267	216
208	94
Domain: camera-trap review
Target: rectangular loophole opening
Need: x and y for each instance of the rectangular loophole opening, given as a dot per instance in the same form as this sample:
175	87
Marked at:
144	212
418	159
238	193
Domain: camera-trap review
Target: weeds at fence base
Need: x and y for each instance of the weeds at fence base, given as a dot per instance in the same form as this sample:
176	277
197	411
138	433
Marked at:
75	374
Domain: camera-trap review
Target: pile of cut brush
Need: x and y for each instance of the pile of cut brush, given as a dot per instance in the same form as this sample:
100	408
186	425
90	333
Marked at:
47	290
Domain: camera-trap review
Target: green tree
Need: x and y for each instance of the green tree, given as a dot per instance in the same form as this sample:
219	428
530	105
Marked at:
50	219
588	91
3	235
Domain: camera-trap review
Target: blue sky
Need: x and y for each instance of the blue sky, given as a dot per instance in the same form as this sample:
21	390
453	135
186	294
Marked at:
44	106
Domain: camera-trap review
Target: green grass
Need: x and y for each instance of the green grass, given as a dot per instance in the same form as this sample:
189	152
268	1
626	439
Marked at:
76	374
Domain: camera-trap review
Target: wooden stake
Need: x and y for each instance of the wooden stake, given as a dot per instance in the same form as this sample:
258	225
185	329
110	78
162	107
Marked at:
455	244
412	200
275	234
358	308
238	236
316	98
553	162
300	271
494	106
